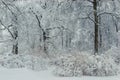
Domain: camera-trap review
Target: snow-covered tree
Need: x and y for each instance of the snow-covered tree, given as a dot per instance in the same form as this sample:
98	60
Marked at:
9	22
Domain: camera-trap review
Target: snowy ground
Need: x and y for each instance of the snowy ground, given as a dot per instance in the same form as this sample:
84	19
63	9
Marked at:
25	74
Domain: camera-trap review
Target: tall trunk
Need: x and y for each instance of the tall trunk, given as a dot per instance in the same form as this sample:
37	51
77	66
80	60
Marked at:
100	33
15	44
95	27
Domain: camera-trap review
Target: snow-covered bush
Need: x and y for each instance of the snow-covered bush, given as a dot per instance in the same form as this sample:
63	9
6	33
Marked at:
35	63
85	64
101	65
20	61
12	62
114	52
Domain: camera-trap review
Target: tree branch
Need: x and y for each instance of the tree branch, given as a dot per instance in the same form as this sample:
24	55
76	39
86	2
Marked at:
7	27
38	20
9	9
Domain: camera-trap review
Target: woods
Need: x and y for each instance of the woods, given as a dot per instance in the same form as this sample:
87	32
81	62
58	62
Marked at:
79	25
85	25
68	37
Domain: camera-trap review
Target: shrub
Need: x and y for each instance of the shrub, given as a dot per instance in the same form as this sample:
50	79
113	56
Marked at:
20	61
84	64
114	52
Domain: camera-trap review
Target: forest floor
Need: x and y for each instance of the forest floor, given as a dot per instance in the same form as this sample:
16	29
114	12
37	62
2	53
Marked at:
26	74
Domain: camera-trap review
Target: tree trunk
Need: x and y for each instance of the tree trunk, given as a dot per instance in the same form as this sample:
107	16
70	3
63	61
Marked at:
15	49
15	44
45	43
95	27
